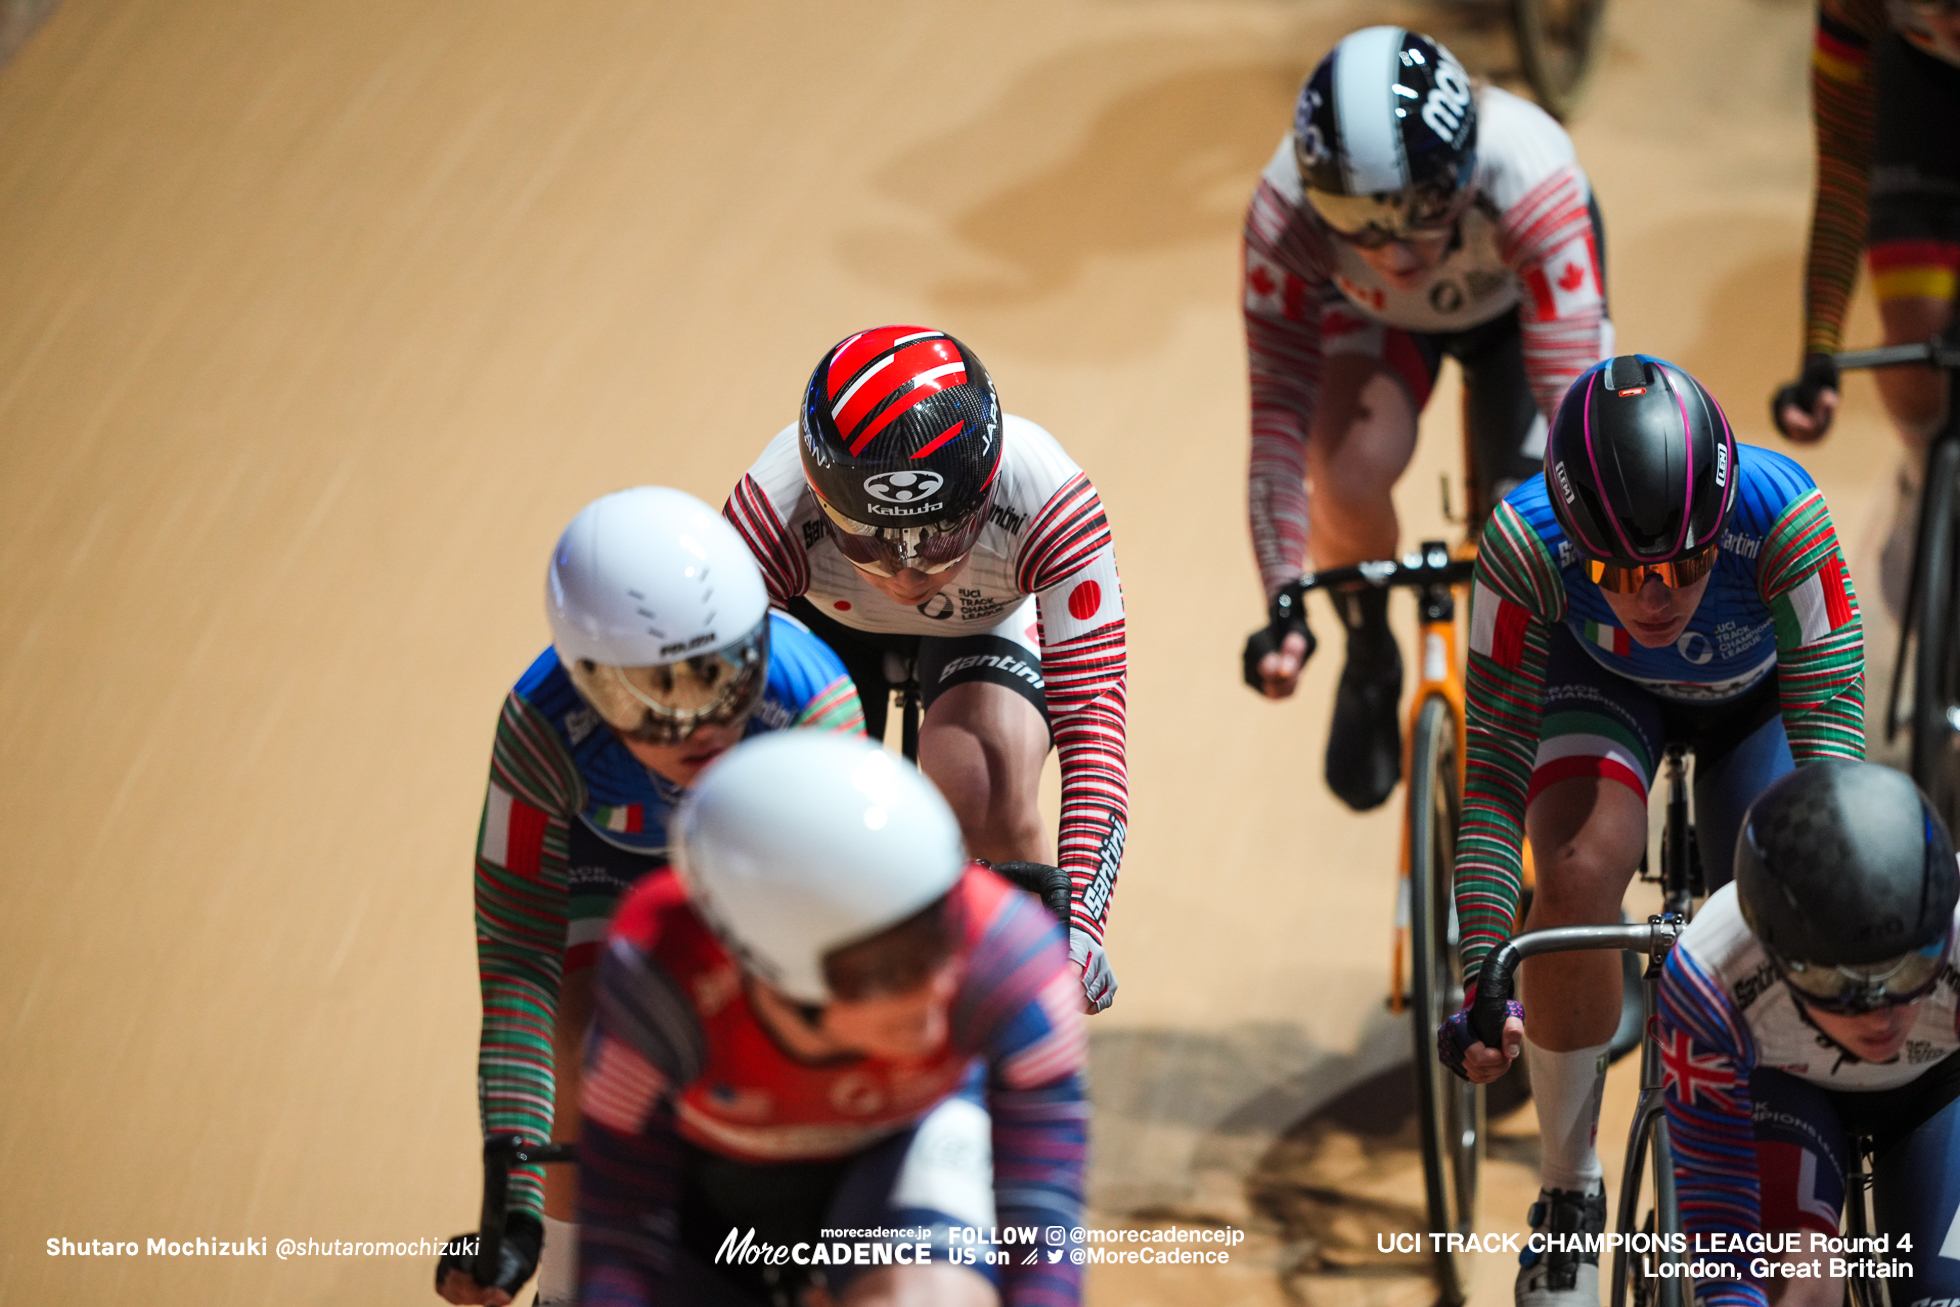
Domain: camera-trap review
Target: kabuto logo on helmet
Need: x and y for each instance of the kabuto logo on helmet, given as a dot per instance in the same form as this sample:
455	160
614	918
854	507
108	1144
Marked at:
1564	481
903	487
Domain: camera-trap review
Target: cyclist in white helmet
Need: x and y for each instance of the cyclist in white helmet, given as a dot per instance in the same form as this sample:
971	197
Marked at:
827	1019
1410	214
664	655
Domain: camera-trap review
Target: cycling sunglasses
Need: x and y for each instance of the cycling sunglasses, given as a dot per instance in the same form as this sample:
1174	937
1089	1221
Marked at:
1847	990
887	550
1372	221
1674	575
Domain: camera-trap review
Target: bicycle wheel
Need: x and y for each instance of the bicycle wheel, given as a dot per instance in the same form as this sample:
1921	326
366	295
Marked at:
1449	1111
1556	43
1936	661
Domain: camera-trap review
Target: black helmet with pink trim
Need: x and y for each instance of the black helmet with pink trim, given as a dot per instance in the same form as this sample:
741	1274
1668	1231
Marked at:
1640	463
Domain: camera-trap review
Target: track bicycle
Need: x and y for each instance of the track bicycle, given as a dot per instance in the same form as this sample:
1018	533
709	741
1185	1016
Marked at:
1450	1112
1648	1144
1426	961
1929	630
1680	881
1558	41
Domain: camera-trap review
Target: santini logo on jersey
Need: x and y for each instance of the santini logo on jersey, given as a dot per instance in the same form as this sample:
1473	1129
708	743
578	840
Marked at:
903	487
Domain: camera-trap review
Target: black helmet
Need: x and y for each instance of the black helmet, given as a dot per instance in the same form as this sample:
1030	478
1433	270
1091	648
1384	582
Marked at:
1846	875
1640	464
901	440
1385	132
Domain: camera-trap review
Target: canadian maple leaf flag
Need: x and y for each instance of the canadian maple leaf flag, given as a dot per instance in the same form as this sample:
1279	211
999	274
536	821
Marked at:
1567	281
1271	290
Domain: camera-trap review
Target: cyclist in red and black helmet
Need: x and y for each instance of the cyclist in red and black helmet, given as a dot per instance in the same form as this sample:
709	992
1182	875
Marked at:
906	519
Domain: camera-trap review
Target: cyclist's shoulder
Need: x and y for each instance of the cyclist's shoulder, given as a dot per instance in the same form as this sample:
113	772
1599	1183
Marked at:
1282	174
1767	483
801	667
544	679
1720	957
778	471
657	911
1519	147
1530	504
1033	464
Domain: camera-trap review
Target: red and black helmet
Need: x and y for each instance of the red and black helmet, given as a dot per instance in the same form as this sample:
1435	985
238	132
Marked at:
901	440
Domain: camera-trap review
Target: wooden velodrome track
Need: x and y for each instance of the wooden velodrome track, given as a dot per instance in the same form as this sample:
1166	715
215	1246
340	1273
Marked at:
318	321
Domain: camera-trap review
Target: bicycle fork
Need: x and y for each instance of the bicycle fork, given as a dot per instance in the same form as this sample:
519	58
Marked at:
1649	1126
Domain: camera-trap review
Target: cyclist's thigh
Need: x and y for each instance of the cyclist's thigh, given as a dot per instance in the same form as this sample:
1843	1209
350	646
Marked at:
863	654
1801	1154
1914	218
1596	724
1917	1189
1007	655
1356	348
1729	774
1586	807
1500	416
935	1179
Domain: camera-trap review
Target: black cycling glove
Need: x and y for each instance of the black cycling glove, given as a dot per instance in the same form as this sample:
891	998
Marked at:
1820	373
517	1256
1288	616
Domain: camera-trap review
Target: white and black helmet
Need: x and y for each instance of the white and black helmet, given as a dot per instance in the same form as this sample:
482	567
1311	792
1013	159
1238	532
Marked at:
1385	132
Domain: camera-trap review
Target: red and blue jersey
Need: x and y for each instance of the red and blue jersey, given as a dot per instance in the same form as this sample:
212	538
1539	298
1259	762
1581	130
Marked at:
677	1052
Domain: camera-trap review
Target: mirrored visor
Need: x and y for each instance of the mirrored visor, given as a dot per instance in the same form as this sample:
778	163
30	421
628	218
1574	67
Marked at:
1389	215
1675	574
1861	988
889	550
663	703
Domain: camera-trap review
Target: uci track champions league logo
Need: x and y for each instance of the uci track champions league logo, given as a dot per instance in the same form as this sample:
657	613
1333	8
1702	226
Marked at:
907	492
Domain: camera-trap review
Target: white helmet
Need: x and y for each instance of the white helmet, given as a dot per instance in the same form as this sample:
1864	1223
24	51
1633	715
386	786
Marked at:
659	614
797	843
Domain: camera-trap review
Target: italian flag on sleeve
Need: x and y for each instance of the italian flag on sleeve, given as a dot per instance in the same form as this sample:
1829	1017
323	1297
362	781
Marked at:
513	833
1497	627
1610	638
1813	608
627	819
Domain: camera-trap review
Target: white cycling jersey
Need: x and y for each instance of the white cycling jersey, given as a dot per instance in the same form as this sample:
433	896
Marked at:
1520	147
1725	977
994	594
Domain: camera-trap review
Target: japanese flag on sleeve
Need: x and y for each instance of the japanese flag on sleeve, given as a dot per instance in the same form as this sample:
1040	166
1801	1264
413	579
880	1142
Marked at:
1497	627
1815	607
1566	283
1084	601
